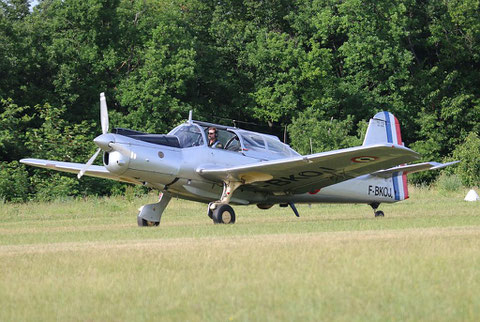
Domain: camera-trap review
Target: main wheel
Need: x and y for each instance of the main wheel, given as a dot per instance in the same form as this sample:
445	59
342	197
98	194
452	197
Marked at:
379	213
146	223
223	214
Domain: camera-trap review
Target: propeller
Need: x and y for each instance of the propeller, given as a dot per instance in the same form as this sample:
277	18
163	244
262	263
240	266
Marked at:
103	113
104	123
120	148
88	164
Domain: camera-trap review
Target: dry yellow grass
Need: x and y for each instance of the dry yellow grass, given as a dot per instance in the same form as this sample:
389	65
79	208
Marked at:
86	260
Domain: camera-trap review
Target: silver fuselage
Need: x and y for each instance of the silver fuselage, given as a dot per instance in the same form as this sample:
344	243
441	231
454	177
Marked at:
174	169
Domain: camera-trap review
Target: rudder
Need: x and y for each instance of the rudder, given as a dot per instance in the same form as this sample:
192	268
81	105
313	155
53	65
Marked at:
383	128
400	187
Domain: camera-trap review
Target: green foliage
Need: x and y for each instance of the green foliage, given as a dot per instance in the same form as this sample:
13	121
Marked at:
448	183
15	9
153	92
276	62
14	121
57	139
52	185
274	58
310	133
14	183
468	170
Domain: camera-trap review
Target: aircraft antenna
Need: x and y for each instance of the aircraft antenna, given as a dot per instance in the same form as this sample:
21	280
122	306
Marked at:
190	113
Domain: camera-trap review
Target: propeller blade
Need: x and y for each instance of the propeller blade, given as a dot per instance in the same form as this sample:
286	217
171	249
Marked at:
122	149
103	113
88	164
104	123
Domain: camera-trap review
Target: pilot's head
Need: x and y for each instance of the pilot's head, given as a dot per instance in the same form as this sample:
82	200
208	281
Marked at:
212	133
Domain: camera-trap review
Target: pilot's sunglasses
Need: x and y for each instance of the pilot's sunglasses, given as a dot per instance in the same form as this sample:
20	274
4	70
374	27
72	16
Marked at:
211	133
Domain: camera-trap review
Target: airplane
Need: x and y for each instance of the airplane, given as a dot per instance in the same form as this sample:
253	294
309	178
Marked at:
250	168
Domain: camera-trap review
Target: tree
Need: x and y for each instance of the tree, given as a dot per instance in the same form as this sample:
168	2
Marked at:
469	155
15	9
314	65
312	133
14	121
155	92
56	139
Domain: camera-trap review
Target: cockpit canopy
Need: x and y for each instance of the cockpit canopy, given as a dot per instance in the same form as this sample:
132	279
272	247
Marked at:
232	139
189	135
257	141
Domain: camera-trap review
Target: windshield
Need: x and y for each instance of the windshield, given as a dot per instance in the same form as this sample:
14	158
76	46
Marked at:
188	135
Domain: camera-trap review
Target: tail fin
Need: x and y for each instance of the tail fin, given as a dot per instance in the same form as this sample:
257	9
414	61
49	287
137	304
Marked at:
383	128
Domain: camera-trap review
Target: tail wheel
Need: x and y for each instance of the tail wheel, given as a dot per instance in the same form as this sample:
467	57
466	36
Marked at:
223	214
379	213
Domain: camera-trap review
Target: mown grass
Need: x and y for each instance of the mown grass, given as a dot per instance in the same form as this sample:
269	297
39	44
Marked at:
86	260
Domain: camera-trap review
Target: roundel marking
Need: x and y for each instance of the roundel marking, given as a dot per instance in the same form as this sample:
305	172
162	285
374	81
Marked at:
364	159
161	154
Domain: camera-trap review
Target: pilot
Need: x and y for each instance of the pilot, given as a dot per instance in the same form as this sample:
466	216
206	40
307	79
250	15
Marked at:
213	138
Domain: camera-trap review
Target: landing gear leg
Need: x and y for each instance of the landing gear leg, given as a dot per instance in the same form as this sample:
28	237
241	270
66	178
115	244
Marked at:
220	211
151	214
378	213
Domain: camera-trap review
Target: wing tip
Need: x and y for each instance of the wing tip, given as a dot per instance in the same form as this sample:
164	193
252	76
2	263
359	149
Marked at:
443	165
30	161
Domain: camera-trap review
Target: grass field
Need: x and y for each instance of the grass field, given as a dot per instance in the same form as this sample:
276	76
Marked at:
83	260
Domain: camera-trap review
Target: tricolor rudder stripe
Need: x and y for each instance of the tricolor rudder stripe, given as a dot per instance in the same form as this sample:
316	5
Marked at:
392	127
405	185
400	186
383	128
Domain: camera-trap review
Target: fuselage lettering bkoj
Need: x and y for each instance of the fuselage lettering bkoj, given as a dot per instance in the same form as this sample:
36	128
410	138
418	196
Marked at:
282	181
380	191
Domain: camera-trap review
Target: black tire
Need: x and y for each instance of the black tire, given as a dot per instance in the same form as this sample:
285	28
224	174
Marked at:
223	214
379	213
145	223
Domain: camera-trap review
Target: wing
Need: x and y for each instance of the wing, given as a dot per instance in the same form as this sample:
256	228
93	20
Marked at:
308	173
93	170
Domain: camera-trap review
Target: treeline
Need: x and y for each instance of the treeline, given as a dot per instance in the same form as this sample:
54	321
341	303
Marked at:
316	68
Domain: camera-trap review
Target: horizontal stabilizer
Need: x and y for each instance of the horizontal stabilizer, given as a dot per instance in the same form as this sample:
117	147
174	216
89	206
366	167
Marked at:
411	168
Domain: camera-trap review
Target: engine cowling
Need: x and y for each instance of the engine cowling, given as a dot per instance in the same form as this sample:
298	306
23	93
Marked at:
116	162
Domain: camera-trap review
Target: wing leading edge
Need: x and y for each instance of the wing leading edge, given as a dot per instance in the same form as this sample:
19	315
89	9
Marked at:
93	170
311	172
